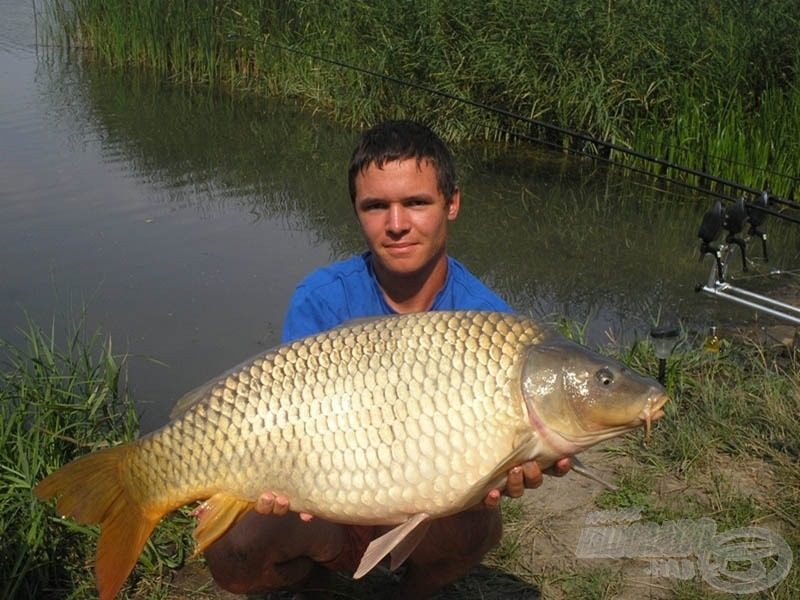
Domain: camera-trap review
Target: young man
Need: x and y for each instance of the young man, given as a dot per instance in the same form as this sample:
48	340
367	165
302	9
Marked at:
404	193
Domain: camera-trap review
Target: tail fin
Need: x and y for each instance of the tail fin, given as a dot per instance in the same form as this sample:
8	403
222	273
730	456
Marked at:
91	490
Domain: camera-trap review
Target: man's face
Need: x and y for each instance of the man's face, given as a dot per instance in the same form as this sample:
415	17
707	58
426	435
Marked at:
403	215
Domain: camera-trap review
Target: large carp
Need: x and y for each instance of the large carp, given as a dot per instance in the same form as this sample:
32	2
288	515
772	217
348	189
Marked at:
396	420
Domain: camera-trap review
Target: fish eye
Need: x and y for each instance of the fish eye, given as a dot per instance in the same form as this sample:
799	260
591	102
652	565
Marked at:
604	376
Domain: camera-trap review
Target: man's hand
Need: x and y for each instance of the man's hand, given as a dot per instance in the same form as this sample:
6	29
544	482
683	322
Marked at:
528	475
270	504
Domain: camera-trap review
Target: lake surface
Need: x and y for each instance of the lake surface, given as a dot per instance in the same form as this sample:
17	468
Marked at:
182	219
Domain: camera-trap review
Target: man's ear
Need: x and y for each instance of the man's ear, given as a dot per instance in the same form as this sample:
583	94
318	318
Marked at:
454	206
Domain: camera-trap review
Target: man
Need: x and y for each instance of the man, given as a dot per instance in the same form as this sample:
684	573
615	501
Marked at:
404	193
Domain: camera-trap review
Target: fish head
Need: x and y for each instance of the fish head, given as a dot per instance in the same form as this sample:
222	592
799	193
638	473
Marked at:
576	397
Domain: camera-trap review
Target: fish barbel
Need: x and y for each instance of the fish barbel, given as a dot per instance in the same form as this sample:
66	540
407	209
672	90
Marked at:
395	420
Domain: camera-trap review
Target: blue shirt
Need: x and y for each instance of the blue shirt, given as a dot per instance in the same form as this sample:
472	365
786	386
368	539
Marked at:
349	290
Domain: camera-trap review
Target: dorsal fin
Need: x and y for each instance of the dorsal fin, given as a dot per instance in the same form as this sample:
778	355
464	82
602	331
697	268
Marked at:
192	397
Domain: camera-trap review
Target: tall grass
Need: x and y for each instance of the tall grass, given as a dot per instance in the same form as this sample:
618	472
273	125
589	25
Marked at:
60	400
712	83
56	404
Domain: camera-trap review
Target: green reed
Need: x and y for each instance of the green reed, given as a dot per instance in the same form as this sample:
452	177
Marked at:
712	81
62	395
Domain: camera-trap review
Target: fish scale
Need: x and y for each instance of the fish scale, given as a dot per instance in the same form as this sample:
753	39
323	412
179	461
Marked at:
395	420
330	466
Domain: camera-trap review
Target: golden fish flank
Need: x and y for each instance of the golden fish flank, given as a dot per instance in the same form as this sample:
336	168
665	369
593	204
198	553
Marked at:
391	421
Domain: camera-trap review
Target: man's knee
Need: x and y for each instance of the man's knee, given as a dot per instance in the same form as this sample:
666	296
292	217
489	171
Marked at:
247	559
484	532
265	552
476	532
463	536
241	569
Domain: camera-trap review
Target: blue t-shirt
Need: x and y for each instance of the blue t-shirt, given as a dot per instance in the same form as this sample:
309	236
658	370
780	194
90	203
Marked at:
349	290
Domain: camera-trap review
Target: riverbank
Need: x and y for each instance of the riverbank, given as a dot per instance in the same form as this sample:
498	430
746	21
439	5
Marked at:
710	85
726	451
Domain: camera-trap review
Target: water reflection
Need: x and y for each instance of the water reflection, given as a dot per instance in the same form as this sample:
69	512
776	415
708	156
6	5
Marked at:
185	217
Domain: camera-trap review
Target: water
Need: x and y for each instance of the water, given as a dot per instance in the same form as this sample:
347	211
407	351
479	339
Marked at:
182	219
168	259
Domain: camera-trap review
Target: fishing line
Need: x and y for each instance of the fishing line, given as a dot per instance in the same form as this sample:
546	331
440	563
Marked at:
793	179
576	135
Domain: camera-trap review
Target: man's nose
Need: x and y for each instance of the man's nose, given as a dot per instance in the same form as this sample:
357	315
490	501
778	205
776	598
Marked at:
397	219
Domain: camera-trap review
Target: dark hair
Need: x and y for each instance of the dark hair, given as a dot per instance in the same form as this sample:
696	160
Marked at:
399	140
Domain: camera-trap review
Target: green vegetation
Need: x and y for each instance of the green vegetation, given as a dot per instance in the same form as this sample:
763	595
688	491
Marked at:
710	85
57	402
726	451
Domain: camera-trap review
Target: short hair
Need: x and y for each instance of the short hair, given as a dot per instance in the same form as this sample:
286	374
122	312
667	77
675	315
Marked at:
400	140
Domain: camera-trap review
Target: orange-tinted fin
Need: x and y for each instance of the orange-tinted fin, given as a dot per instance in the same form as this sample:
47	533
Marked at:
91	491
216	516
400	541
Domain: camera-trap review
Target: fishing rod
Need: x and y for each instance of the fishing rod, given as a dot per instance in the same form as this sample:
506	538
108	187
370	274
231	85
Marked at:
713	223
584	137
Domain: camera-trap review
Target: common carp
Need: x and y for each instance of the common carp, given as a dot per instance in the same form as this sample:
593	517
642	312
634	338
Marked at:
395	420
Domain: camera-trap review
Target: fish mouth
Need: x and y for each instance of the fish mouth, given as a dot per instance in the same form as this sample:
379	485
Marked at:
652	412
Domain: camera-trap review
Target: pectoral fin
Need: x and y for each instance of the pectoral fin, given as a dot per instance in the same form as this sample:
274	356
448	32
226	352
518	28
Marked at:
215	516
582	469
400	542
524	449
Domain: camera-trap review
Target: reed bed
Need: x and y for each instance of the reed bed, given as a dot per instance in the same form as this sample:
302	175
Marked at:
62	395
711	84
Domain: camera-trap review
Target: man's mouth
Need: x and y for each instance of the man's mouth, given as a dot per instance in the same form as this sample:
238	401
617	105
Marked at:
399	248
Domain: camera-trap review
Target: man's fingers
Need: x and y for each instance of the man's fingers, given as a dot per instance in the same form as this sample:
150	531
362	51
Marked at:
532	474
515	484
265	503
270	504
281	506
529	475
560	467
492	499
